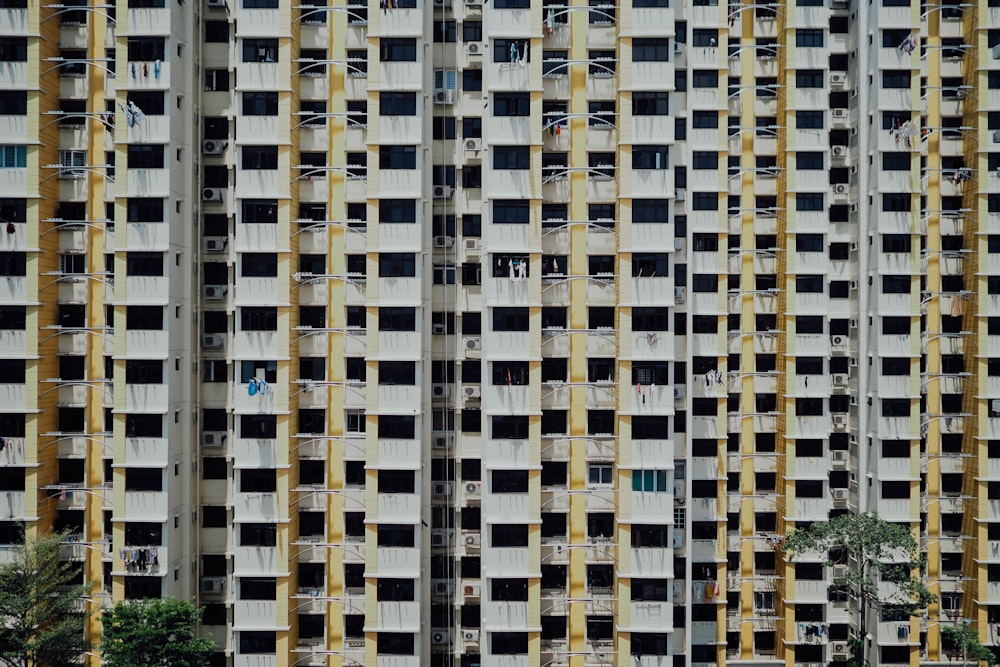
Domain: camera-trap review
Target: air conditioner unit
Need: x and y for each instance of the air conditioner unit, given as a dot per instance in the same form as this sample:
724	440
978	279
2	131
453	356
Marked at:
837	79
680	295
840	189
443	191
444	241
214	292
474	49
680	194
839	495
996	137
678	48
470	636
680	391
679	245
440	538
213	584
471	590
215	243
438	329
440	391
473	343
839	571
839	456
839	379
839	649
474	144
995	405
471	245
441	588
839	422
473	489
444	97
213	147
212	341
838	341
473	540
439	637
215	4
213	438
442	488
471	391
211	194
839	113
838	151
443	441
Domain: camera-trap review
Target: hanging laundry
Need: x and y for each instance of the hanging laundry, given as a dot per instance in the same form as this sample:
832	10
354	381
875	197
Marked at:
145	70
156	69
522	269
513	53
253	387
10	228
550	22
133	70
957	309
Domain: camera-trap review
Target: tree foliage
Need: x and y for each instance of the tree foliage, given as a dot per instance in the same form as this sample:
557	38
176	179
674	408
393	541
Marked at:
41	622
963	640
154	633
873	551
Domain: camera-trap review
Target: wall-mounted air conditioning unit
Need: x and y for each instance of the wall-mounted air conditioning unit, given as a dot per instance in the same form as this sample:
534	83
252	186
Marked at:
439	637
213	584
840	189
471	245
213	146
213	438
441	537
839	495
838	341
471	391
472	590
444	97
839	152
838	79
443	192
441	588
473	540
212	244
680	391
470	636
474	144
211	194
839	422
839	379
444	241
474	48
443	441
838	113
214	292
440	391
680	295
473	343
212	341
473	489
442	488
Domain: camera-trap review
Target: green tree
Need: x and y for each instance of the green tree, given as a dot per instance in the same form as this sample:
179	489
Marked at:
154	633
962	640
41	622
873	551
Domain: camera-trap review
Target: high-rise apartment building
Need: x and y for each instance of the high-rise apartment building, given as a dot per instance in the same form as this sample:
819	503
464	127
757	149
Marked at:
511	333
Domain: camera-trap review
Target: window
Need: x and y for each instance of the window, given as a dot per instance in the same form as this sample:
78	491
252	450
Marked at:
148	318
16	157
472	81
650	49
397	157
258	643
809	161
510	319
809	37
650	157
511	157
144	264
511	50
705	201
259	211
258	265
895	284
258	319
217	80
216	32
809	78
260	50
397	265
397	211
812	284
650	210
600	474
511	211
509	427
705	78
809	201
13	102
397	319
896	78
145	157
398	49
472	31
704	160
445	31
650	104
260	104
13	49
809	120
397	373
511	104
259	157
